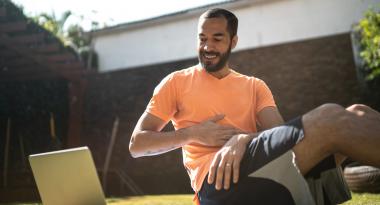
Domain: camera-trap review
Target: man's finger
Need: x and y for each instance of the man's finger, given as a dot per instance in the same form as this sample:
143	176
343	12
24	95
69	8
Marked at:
227	175
228	134
222	141
216	118
212	170
235	171
236	164
234	132
219	175
226	137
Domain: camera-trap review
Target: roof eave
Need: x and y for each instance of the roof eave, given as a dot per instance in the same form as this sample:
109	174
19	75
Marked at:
231	4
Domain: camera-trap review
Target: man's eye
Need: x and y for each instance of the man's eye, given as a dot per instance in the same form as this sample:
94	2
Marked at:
218	39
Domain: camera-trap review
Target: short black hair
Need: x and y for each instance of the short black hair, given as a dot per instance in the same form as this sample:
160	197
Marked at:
232	20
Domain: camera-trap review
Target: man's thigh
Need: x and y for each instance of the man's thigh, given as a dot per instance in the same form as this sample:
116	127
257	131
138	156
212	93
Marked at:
249	190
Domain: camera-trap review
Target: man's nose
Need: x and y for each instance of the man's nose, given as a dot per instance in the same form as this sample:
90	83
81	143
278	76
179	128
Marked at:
209	47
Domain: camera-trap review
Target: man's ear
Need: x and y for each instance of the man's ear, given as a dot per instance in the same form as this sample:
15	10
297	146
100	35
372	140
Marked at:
234	41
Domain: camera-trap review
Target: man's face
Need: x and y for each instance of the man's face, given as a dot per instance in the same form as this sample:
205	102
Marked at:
214	43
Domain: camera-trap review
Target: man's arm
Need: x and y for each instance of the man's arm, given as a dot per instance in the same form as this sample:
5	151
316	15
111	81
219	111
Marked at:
227	161
269	117
147	138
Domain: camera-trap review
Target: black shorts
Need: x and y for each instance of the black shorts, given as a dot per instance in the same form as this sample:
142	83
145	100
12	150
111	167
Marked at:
268	175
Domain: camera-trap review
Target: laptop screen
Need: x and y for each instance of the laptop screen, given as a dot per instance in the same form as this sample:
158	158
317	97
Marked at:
67	177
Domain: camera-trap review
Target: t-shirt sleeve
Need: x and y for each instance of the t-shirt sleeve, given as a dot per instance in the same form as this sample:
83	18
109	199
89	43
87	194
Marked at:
163	102
264	97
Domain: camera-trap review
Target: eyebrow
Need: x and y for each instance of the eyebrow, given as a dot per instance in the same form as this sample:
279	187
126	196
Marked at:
214	35
218	35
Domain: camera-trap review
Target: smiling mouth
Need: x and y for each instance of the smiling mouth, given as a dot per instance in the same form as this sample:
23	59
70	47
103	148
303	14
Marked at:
209	56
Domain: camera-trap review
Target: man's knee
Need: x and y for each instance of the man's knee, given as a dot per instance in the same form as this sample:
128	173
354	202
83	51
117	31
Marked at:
327	115
337	118
330	110
325	122
360	109
320	129
363	116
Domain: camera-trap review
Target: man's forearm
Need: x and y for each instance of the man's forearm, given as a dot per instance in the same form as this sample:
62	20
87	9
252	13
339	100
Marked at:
147	138
147	143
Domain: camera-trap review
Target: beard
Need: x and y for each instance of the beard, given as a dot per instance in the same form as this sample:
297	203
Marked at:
223	57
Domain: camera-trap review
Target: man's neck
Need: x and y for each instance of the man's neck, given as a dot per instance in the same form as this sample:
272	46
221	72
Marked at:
221	73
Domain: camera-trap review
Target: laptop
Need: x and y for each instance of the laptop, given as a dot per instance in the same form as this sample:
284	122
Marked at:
67	177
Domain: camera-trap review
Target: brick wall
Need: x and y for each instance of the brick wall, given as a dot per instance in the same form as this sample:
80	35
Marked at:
304	75
301	75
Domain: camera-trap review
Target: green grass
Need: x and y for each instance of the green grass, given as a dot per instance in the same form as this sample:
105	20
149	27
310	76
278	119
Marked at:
187	199
364	199
357	199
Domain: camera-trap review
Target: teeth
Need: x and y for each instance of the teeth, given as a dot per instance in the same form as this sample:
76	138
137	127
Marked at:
210	56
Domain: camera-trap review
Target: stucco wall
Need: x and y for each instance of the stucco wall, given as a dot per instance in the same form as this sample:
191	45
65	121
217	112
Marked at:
262	23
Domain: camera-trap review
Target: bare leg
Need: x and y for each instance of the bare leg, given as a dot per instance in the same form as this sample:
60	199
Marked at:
361	140
331	129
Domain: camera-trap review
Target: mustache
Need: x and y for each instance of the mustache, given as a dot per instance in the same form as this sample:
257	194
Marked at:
210	53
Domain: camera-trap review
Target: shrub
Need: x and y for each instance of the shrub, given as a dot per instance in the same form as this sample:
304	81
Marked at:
369	31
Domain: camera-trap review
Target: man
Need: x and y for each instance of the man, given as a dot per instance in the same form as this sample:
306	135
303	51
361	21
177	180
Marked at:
215	111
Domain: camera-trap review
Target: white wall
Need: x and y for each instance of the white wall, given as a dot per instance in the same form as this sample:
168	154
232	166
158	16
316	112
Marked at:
148	45
260	24
294	20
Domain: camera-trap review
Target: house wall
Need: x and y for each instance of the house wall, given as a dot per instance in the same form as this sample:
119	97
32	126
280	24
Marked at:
301	75
262	23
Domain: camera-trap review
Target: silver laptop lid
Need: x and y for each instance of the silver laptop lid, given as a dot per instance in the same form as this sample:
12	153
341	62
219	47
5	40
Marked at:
67	177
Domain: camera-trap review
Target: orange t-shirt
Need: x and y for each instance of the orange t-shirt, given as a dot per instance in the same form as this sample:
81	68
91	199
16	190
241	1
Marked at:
190	96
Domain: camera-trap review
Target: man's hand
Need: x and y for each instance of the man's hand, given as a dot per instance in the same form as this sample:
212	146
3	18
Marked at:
227	161
210	133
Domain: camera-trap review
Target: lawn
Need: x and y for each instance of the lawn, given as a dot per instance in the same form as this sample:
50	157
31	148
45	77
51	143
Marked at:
357	199
186	199
364	199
